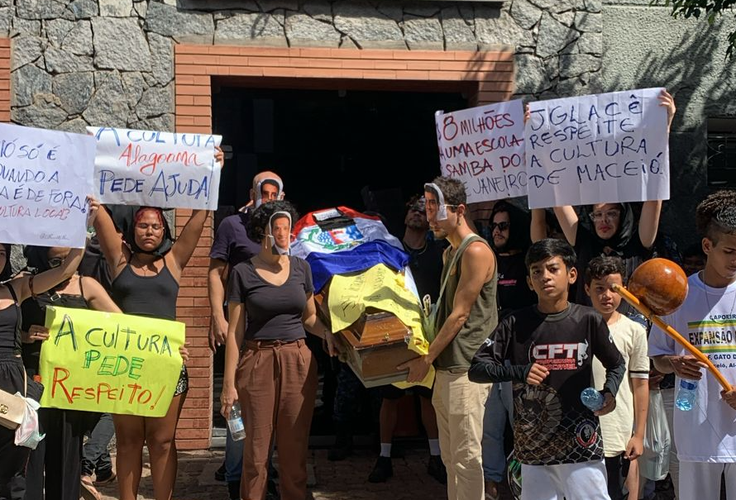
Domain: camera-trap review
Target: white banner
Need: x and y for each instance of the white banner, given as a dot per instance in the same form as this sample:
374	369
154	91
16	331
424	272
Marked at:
158	169
484	148
45	177
604	148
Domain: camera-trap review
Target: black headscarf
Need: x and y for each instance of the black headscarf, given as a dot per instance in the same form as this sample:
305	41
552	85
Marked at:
166	243
618	242
6	272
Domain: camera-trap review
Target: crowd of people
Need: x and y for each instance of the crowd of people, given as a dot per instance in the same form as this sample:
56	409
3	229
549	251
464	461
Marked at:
527	318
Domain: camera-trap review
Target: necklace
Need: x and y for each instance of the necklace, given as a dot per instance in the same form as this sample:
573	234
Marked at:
710	308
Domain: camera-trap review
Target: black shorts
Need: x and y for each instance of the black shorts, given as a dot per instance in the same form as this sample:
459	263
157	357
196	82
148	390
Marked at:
392	392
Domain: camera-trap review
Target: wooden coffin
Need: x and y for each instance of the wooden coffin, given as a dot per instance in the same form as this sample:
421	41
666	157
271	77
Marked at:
374	345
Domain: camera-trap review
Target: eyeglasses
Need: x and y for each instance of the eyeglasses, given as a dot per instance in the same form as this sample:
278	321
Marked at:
502	226
607	215
144	227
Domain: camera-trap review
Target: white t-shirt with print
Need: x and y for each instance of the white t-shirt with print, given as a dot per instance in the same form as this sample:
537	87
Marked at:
617	427
707	319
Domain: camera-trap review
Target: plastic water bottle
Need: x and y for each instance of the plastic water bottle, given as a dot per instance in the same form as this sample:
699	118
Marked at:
686	395
235	423
592	398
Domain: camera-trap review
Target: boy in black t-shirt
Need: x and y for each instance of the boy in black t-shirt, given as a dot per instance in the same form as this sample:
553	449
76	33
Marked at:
550	348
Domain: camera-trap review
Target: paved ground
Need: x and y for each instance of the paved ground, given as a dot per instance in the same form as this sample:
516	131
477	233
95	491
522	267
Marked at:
329	480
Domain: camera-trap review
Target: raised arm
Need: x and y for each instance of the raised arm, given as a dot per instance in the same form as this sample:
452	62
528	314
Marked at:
186	243
28	285
568	219
538	227
98	298
111	242
649	222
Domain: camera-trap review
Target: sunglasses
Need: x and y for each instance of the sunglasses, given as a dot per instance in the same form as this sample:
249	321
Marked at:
502	226
55	262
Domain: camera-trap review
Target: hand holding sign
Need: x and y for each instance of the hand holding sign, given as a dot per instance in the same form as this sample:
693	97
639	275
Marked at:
159	169
599	149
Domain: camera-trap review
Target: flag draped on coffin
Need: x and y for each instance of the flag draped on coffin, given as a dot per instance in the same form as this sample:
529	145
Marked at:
344	242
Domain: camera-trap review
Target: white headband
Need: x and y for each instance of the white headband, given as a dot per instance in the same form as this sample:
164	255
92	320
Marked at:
441	206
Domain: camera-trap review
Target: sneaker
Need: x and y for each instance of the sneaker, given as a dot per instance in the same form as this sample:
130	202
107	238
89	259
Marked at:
381	471
233	490
436	469
220	473
105	477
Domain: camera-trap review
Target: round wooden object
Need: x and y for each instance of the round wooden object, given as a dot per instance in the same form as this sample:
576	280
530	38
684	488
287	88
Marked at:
659	284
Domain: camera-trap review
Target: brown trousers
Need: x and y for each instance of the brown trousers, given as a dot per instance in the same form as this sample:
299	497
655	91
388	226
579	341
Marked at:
277	386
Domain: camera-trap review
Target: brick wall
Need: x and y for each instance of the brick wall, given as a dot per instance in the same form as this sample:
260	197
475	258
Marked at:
485	76
4	80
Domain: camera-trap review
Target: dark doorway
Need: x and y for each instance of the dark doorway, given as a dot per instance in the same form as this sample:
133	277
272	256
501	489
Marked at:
332	146
366	149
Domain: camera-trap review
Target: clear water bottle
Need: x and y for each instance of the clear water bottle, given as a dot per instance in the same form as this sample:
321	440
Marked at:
235	423
686	394
592	398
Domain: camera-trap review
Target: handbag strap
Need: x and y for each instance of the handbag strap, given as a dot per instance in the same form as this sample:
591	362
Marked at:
18	323
463	245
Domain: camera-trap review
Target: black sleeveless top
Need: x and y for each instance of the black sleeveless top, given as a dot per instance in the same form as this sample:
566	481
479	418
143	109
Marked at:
10	340
153	296
34	313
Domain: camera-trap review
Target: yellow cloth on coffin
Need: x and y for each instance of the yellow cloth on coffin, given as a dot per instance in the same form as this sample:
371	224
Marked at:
380	288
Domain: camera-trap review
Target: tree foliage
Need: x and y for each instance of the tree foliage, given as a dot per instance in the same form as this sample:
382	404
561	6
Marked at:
709	9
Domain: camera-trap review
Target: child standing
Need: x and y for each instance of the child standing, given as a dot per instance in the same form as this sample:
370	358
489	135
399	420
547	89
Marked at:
705	435
620	447
550	348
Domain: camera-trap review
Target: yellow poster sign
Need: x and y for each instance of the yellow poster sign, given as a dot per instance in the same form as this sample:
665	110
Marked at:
110	363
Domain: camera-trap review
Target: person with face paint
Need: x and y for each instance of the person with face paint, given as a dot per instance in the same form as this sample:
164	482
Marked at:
230	247
146	266
466	313
268	367
614	231
55	465
12	372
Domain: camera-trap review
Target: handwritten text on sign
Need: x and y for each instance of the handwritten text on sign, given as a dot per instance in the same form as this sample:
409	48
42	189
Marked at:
598	149
110	363
160	169
484	148
45	177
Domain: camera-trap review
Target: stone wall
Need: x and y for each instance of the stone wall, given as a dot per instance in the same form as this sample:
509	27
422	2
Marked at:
110	62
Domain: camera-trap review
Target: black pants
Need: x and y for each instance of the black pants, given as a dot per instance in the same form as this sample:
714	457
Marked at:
56	464
617	468
95	456
13	459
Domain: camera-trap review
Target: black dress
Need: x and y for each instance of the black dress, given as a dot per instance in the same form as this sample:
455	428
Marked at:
13	459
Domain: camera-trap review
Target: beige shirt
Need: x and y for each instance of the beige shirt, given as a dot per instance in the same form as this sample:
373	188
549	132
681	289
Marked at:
617	427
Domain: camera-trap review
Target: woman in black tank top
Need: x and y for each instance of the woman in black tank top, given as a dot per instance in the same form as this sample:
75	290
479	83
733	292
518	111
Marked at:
57	459
146	268
12	373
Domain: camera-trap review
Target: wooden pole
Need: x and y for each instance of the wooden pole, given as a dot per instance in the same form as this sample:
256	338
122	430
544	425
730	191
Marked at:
635	302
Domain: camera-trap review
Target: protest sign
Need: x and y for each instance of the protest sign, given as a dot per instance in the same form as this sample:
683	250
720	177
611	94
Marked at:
603	148
158	169
110	363
484	147
45	177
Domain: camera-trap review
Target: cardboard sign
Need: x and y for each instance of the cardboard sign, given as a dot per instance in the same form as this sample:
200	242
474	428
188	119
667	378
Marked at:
484	148
45	177
110	363
605	148
158	169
